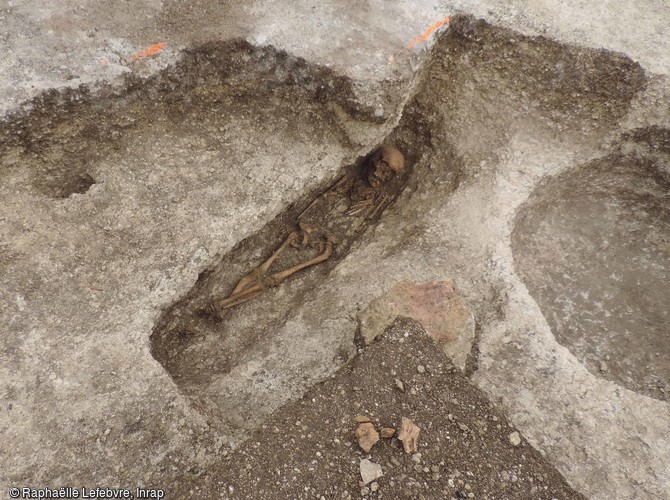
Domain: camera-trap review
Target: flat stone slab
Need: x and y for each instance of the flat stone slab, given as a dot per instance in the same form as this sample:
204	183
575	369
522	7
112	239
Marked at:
437	306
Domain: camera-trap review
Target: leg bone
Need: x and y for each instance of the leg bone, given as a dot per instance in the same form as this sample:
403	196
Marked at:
243	292
263	268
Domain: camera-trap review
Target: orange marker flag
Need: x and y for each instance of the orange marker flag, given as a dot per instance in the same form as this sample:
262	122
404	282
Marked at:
151	50
427	33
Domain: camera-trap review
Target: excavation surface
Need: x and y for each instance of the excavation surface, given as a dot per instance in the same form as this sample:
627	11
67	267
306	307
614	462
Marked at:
528	236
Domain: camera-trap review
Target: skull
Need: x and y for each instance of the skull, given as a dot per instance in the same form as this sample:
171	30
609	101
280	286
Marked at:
384	164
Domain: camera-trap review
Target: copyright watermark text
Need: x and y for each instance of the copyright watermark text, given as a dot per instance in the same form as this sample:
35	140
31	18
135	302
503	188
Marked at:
67	492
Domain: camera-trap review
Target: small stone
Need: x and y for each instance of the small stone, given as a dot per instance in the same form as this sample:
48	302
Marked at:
374	486
505	475
370	471
395	461
365	491
399	385
435	468
367	436
416	458
387	432
421	369
603	367
362	419
515	438
409	434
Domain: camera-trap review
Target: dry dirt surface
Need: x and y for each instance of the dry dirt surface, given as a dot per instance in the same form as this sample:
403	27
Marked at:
466	446
534	214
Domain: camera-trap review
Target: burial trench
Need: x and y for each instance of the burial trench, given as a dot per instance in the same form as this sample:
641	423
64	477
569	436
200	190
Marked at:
198	342
596	230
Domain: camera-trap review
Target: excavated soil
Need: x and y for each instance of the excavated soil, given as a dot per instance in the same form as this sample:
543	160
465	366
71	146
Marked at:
308	448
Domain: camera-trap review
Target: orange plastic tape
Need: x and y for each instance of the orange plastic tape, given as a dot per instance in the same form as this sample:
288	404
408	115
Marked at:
427	33
152	50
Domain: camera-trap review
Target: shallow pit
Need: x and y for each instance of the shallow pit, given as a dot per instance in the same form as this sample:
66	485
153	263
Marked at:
593	247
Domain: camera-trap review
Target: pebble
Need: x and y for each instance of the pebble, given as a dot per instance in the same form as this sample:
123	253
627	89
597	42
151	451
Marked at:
367	436
515	438
362	419
421	369
370	471
399	384
603	367
387	432
409	435
374	486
